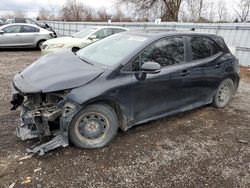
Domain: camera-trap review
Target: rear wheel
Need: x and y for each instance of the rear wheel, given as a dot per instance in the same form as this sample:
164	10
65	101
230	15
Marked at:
39	44
224	93
94	126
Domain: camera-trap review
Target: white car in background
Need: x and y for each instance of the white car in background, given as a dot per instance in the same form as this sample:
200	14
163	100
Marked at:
80	39
23	36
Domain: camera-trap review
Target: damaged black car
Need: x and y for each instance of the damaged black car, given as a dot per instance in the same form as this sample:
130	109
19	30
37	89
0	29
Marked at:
118	82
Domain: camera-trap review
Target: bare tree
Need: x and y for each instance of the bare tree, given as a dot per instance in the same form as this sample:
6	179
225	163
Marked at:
102	15
222	11
211	12
44	14
120	16
242	10
169	9
197	10
53	8
19	13
74	10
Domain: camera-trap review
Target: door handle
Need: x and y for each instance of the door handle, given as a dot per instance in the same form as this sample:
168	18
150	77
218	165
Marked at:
184	73
218	65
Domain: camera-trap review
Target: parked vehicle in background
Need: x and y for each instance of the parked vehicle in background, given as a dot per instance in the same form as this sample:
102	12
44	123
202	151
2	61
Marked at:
121	81
80	39
2	20
23	36
9	21
43	25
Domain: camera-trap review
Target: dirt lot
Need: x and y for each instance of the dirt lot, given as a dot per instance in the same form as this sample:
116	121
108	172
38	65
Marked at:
204	147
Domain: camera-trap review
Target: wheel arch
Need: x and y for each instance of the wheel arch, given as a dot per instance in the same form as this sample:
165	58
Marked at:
235	78
122	118
38	41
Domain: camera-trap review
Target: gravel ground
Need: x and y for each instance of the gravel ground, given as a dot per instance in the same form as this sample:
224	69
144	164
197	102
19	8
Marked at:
206	147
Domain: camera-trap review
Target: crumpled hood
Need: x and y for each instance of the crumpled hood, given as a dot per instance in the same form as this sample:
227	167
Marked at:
55	72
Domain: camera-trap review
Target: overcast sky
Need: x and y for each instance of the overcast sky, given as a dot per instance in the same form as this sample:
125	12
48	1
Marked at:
31	7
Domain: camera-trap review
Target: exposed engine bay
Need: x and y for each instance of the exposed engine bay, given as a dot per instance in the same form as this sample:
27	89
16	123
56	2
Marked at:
44	115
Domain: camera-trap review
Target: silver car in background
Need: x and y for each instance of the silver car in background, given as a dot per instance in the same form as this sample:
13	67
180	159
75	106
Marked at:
23	36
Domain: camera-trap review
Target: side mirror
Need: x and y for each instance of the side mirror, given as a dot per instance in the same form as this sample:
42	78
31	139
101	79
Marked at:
1	32
92	37
151	68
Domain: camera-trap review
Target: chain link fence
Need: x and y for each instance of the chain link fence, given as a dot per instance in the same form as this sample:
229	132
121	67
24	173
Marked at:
236	35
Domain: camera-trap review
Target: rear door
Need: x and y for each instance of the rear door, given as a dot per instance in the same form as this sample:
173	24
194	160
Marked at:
206	69
29	35
11	36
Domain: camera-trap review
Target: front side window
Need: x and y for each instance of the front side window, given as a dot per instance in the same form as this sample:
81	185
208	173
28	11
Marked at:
12	29
166	52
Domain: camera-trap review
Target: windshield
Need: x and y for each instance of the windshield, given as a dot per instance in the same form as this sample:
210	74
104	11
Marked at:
84	33
111	50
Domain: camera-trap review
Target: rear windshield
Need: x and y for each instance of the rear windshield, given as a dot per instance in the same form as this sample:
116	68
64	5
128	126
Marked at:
113	49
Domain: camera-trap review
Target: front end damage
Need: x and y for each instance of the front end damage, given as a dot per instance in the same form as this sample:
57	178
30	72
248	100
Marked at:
45	116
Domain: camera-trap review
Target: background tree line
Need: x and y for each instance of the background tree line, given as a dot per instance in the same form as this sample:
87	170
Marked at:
202	11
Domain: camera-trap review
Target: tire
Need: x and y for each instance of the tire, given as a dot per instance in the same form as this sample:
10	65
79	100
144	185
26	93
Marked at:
39	44
93	127
224	93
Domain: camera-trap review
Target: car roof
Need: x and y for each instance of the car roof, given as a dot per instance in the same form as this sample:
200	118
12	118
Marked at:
32	25
104	27
158	33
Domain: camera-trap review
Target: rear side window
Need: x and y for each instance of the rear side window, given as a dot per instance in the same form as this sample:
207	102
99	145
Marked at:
203	47
29	29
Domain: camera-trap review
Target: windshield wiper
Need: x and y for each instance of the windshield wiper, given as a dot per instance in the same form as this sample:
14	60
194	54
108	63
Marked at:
85	60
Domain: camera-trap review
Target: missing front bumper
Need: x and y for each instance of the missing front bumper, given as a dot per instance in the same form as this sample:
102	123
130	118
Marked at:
58	141
45	123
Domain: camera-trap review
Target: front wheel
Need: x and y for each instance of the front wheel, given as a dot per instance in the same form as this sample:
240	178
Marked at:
224	93
93	127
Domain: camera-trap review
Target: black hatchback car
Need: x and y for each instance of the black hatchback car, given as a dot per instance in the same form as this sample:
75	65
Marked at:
118	82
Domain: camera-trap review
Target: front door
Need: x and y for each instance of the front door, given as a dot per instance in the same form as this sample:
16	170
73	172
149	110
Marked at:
165	92
11	36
